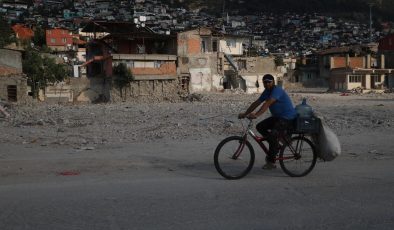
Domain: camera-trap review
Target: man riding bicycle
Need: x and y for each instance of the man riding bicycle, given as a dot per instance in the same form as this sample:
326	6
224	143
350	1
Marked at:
283	114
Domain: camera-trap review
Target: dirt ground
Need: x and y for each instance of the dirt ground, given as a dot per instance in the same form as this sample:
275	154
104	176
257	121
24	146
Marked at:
363	123
150	166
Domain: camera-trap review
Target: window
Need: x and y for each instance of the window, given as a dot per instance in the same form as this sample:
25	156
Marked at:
355	78
157	64
140	48
309	76
376	78
12	93
326	62
215	46
53	40
184	82
231	43
242	64
130	64
64	40
203	46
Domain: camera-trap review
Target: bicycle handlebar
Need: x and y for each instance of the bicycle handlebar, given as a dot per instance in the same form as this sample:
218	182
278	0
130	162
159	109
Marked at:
250	123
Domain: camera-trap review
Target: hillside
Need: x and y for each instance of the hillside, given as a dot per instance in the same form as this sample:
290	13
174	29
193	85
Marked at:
382	9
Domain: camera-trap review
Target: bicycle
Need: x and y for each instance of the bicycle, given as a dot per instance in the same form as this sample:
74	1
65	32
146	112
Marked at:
297	155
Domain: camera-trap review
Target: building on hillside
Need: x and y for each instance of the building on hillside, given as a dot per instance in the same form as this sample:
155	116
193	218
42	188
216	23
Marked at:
59	39
306	73
22	32
199	67
386	48
209	60
361	73
344	68
240	68
150	58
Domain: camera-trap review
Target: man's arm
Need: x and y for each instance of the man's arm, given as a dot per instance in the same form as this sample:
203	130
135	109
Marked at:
251	108
263	108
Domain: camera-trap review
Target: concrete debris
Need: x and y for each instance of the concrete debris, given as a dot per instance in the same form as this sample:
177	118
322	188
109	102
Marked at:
193	97
208	114
357	90
389	90
4	112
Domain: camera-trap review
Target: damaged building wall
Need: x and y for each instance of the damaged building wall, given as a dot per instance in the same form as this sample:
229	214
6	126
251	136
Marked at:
11	58
189	42
156	90
91	89
252	70
58	92
14	88
87	90
203	73
198	62
232	45
155	76
163	68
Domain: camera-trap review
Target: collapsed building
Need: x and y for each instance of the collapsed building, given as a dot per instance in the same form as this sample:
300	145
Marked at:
209	60
149	57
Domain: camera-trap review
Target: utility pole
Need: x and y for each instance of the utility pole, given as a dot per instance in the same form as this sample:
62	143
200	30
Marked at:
224	17
370	21
224	7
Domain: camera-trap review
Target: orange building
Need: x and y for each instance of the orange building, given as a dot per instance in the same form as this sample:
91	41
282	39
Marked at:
23	32
59	39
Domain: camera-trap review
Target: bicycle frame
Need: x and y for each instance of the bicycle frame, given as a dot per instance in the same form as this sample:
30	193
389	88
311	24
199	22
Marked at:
260	139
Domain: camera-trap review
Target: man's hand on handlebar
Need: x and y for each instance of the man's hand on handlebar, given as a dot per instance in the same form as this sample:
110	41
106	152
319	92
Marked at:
250	116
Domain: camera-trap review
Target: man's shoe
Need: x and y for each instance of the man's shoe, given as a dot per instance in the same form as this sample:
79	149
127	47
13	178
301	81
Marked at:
269	166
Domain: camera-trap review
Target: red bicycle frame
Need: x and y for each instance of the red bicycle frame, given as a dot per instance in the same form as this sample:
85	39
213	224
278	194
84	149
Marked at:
260	140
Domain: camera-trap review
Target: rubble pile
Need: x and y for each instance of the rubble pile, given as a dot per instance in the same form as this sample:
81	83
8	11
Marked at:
200	116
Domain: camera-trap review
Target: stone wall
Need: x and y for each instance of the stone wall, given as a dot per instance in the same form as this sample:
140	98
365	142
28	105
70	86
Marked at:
103	89
148	90
19	82
11	58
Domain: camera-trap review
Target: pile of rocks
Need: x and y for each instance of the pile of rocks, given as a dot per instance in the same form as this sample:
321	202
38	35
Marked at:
200	116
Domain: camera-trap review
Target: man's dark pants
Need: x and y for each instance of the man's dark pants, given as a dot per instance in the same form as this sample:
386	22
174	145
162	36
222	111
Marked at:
270	129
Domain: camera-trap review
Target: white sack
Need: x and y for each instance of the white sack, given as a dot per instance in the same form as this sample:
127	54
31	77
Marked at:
328	146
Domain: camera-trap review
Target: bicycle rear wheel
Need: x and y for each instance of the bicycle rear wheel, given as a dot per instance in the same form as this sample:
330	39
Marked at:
234	157
298	158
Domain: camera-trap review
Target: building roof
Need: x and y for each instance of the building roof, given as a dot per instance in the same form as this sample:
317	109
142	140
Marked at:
22	32
336	50
115	27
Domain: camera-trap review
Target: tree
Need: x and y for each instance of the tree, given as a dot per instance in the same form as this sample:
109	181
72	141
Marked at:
123	77
41	70
6	33
39	37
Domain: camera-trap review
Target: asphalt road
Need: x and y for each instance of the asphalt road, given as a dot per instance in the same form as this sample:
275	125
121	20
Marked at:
175	186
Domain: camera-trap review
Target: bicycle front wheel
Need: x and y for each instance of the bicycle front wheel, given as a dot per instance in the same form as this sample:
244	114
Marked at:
234	157
298	158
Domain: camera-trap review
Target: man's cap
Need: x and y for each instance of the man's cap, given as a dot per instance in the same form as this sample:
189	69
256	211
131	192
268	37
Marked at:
268	77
